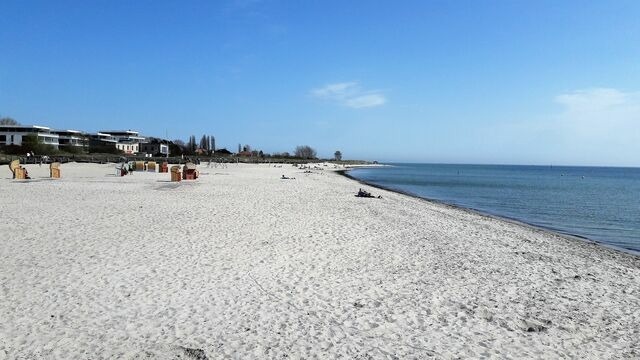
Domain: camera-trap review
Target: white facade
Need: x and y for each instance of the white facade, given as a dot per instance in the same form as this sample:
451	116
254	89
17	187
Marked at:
70	138
127	141
102	137
124	135
128	147
14	134
154	148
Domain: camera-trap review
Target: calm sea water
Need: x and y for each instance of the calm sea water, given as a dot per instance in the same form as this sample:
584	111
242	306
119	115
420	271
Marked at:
599	203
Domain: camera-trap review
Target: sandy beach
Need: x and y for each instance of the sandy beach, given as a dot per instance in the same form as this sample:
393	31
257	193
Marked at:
243	264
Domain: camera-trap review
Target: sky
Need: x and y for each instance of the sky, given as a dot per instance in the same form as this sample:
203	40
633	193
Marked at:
488	82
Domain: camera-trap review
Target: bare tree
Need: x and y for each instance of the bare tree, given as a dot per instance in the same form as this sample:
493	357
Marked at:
305	152
177	147
8	121
179	142
337	155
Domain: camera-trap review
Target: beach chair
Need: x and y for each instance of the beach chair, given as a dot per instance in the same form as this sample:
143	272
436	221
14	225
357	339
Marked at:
54	170
189	172
151	166
122	169
164	167
18	171
139	165
175	173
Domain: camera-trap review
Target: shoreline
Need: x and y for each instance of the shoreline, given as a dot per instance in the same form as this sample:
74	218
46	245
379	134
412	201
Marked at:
557	232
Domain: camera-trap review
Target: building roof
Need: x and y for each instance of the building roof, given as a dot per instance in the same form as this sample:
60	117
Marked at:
120	132
19	127
71	132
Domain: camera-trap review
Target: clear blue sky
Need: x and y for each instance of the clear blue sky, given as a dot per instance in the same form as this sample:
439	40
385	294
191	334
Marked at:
518	82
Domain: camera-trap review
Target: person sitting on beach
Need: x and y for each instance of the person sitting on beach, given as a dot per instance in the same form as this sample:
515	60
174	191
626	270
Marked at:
362	193
286	178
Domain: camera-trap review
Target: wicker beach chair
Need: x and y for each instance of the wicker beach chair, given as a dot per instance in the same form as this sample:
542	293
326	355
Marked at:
54	170
151	166
139	165
175	173
190	172
18	171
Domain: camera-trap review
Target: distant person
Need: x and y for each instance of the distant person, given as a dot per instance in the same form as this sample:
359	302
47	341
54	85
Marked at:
362	193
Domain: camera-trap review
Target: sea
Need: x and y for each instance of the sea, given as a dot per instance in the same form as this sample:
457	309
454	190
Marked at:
597	203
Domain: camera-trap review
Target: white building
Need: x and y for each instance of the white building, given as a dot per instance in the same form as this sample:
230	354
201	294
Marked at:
155	147
127	141
101	142
70	139
14	134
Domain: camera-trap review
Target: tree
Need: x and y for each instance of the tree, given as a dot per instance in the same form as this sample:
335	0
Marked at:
305	152
31	143
178	142
176	147
203	142
337	155
8	121
100	147
191	145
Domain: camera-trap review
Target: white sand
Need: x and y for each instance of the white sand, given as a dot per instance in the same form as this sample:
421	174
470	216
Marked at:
242	264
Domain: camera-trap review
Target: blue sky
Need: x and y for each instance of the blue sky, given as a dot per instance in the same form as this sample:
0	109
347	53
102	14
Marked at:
515	82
